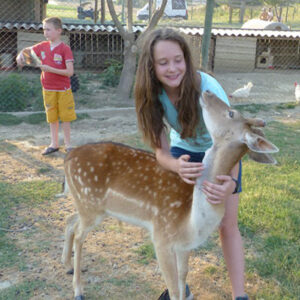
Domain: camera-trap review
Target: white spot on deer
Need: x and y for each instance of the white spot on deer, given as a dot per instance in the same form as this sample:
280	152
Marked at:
80	181
92	169
79	170
88	163
176	204
96	178
107	180
101	165
84	174
76	158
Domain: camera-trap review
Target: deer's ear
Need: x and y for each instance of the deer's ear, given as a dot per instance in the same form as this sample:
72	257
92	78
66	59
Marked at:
259	144
262	158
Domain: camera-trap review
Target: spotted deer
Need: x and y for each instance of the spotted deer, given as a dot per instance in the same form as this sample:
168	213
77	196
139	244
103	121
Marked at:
109	179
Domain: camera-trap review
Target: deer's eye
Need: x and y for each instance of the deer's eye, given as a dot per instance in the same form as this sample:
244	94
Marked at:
231	114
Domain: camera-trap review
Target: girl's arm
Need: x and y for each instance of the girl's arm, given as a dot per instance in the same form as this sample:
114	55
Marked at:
69	71
188	171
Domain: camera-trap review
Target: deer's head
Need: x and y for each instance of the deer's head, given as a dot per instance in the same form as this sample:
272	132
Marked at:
227	126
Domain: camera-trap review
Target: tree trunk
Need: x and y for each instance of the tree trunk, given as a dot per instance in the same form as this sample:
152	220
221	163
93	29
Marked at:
242	11
129	68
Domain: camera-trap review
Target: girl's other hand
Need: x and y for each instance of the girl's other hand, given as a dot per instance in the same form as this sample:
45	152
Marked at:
217	193
188	171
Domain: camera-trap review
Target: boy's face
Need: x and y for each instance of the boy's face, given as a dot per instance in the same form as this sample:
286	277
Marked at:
51	33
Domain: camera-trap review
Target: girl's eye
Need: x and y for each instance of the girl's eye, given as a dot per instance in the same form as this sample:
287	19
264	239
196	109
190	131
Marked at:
231	114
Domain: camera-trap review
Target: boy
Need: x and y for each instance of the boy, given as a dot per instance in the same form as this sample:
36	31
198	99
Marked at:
57	68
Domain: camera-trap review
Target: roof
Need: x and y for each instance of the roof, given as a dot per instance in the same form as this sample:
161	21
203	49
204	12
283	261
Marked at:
261	24
187	30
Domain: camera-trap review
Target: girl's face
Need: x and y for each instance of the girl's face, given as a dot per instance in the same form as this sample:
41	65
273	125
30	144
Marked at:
169	64
51	33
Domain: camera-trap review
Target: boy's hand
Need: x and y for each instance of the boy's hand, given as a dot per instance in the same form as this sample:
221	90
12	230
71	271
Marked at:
46	68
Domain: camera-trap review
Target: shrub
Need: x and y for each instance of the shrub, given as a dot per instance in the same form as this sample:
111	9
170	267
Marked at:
15	92
111	75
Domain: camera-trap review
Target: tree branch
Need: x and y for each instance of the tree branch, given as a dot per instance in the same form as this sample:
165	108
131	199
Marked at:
156	16
115	18
129	16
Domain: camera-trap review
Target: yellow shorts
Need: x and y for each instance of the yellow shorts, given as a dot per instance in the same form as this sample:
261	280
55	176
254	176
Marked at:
59	105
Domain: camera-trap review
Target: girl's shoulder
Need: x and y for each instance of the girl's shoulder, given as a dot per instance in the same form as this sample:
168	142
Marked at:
208	82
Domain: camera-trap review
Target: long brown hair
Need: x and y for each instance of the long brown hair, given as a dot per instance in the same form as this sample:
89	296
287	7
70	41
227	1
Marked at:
149	109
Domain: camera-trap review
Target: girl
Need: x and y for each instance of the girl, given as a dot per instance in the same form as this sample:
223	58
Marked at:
168	88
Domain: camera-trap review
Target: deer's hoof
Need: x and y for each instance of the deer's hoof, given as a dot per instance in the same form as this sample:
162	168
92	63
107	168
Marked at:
70	272
81	297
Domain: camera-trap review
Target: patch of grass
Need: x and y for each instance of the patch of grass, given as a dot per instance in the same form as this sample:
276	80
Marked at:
252	108
34	118
43	170
127	287
269	213
25	290
82	116
288	105
146	253
9	120
11	196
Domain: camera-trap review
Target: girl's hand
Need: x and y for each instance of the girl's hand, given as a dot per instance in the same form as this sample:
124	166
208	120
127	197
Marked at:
217	193
188	171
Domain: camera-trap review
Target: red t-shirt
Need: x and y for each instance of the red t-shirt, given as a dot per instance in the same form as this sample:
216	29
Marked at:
56	58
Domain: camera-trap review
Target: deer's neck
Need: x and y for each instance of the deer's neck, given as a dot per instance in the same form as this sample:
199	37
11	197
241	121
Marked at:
218	160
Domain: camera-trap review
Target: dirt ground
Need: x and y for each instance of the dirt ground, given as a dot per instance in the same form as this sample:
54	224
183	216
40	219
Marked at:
109	252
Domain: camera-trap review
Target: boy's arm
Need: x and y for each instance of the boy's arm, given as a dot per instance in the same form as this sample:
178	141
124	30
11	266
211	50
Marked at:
69	71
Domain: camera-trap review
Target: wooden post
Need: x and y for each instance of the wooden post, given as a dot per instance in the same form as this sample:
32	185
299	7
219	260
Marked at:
96	12
207	33
102	11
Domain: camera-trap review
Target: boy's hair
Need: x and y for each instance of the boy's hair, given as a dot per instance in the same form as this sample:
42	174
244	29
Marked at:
57	23
149	109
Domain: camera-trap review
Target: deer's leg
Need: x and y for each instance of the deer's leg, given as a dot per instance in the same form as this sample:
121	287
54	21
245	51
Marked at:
81	231
168	265
68	244
182	257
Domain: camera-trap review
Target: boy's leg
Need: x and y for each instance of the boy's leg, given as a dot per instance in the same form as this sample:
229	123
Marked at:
66	114
54	134
67	134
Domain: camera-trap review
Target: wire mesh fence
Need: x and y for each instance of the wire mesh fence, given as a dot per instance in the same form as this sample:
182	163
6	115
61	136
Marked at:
243	47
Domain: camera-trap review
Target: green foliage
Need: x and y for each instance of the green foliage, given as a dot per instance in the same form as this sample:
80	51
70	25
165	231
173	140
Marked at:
18	93
14	93
8	120
111	75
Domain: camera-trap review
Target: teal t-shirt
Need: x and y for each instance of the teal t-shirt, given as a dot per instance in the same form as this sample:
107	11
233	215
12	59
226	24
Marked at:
202	141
